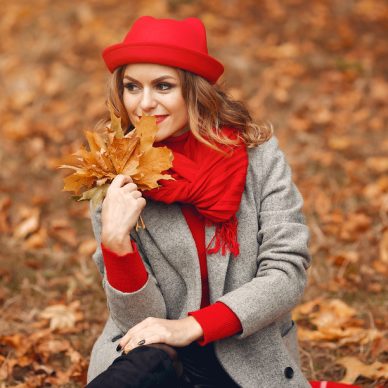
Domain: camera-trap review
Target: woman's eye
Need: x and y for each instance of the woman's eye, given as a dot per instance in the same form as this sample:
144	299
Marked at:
130	86
164	86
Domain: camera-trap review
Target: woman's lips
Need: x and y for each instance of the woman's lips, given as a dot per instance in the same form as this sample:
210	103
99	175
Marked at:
159	118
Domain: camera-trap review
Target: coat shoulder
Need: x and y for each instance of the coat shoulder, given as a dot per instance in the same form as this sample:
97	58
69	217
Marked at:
261	158
263	151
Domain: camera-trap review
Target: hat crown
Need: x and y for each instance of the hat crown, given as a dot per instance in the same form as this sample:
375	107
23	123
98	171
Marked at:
188	33
169	42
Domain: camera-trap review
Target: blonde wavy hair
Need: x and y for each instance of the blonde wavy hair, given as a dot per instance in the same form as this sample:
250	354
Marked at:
209	109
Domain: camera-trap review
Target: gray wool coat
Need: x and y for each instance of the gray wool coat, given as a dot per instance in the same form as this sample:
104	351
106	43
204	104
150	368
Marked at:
261	285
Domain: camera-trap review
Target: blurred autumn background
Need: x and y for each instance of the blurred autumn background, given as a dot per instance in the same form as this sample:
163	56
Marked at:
317	70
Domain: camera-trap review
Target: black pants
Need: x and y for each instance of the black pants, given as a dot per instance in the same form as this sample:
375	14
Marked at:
165	367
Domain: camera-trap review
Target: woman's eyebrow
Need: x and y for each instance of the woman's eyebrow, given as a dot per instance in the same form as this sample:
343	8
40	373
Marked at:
155	81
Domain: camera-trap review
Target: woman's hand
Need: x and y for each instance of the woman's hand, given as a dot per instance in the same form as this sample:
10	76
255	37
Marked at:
121	209
179	332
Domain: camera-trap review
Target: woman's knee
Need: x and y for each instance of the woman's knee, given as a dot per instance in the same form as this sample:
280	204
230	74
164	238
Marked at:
173	355
146	366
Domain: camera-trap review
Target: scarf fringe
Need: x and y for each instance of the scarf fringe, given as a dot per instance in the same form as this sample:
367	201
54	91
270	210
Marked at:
225	238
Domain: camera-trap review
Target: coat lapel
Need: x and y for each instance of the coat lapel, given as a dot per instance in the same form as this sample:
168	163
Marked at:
172	238
168	229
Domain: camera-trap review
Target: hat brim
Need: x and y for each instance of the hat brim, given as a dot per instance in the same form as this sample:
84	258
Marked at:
204	65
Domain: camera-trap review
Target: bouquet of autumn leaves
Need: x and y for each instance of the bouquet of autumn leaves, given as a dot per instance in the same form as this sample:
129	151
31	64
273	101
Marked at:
111	153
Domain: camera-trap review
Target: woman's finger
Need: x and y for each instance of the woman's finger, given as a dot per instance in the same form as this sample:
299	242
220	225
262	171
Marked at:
147	340
136	194
129	187
148	325
119	180
134	331
124	341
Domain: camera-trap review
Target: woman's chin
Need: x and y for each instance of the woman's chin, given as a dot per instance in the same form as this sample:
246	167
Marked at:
160	136
165	133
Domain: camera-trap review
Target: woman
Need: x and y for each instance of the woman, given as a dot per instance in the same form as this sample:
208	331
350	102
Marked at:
202	296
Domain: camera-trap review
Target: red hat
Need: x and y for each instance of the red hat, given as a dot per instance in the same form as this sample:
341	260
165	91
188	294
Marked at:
177	43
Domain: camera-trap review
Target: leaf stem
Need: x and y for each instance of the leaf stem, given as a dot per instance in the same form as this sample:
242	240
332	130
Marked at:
140	224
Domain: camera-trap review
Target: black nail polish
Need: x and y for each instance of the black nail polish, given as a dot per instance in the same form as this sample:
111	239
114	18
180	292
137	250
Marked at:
118	348
118	336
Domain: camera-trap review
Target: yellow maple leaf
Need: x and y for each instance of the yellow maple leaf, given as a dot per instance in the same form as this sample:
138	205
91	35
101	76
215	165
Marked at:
111	153
151	160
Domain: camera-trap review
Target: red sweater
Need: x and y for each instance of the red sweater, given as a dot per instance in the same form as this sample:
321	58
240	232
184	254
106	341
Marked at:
128	274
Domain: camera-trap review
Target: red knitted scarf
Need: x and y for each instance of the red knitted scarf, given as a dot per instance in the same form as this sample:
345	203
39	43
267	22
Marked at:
210	181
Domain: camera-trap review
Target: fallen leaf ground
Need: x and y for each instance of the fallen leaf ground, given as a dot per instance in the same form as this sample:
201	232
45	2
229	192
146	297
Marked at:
317	70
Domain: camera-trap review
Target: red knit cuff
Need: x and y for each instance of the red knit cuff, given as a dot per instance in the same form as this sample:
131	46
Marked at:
125	273
218	321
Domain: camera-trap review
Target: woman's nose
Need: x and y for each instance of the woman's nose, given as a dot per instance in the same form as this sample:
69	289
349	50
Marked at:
148	101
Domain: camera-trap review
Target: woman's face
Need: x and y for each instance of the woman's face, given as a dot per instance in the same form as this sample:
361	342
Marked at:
155	90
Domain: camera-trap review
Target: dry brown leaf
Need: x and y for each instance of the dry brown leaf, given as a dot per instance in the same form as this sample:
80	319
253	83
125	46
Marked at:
380	267
52	346
331	313
306	308
377	188
62	316
61	230
340	143
14	340
355	368
111	153
87	247
299	124
342	336
378	164
322	115
355	224
37	240
29	224
334	321
345	257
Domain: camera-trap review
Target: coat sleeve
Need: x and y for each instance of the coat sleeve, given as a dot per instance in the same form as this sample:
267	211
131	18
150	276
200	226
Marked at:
127	309
283	237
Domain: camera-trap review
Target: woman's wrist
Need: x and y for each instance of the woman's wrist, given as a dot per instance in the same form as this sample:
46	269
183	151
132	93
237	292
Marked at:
119	245
195	329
